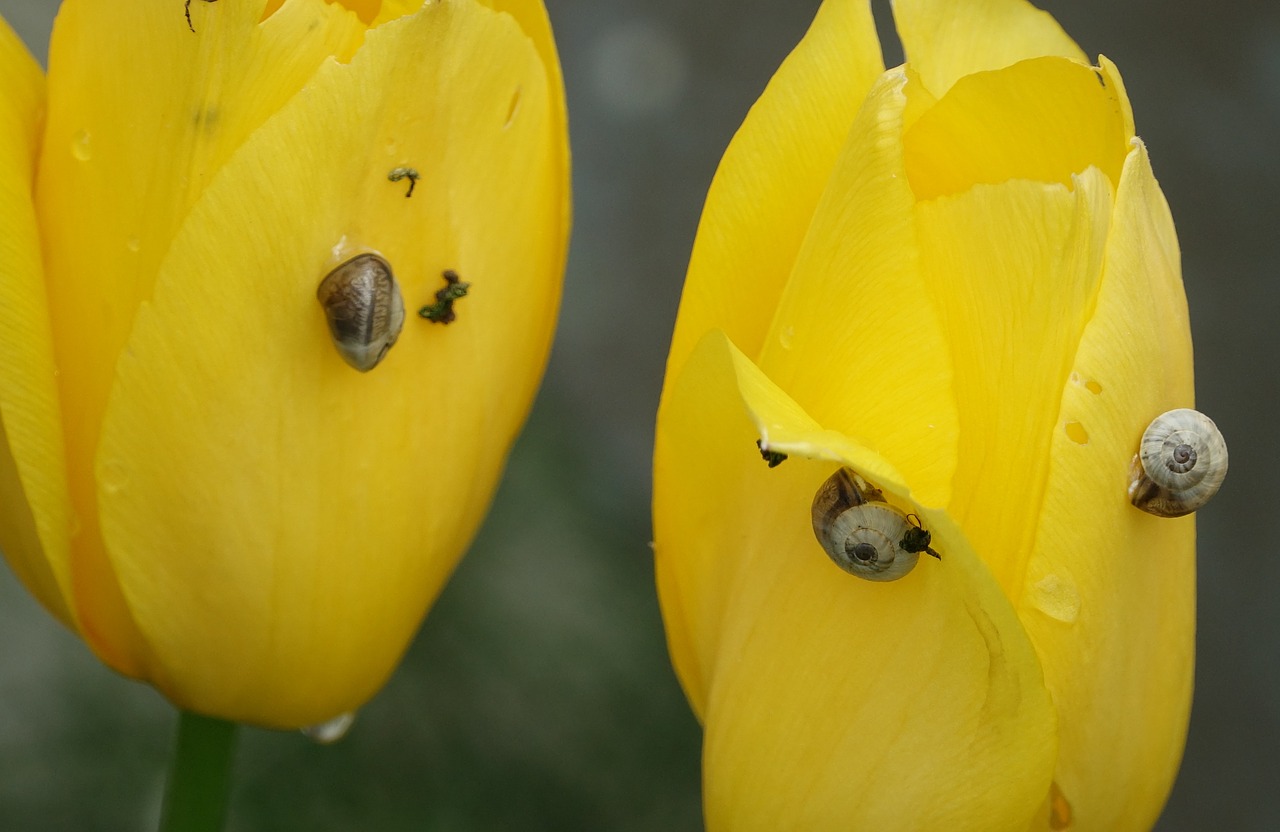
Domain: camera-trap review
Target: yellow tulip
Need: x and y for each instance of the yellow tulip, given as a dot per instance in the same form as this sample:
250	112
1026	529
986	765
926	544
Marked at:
192	478
959	279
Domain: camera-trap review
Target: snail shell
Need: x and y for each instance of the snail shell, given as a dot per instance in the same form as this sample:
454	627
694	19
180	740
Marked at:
862	533
365	310
1180	464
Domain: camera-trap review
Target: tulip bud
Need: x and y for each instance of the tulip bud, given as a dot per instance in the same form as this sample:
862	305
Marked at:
956	281
198	477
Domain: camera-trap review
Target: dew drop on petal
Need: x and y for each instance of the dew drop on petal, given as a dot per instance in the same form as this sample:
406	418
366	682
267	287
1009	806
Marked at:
133	244
330	732
1057	598
1087	383
81	146
1076	433
785	336
1059	809
114	476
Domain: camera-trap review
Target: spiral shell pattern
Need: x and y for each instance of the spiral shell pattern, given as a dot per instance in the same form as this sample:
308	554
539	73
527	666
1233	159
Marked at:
861	532
1180	464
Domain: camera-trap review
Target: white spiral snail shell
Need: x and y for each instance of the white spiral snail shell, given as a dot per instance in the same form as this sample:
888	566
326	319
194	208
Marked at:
1180	464
862	533
362	303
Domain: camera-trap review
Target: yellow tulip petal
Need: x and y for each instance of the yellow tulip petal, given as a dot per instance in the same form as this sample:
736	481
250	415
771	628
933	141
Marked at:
532	17
1013	270
691	568
35	509
1111	74
882	340
313	512
821	692
919	99
388	9
142	114
1044	119
1109	598
370	12
945	40
771	178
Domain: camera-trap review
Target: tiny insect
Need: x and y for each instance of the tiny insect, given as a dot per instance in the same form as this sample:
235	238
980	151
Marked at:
774	458
916	539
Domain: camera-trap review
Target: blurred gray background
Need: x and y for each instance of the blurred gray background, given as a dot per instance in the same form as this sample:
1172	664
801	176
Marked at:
538	694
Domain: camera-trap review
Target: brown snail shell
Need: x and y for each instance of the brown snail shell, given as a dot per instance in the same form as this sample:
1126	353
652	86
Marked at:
864	535
1180	464
362	303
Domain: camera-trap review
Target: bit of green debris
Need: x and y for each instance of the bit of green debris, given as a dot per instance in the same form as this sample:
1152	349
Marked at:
441	312
405	173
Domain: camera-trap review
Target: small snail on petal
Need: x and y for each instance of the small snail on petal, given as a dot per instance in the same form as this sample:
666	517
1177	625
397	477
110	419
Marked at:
365	311
1180	464
862	533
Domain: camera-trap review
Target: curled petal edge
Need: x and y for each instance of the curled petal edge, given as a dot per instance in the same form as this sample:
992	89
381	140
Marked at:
725	621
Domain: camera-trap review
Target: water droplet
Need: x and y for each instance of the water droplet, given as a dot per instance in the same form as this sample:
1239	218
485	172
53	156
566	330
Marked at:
1059	809
1057	598
786	336
114	476
330	732
81	147
133	244
1076	433
1089	384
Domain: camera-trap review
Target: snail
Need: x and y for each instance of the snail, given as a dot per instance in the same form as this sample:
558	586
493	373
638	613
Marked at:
1180	464
862	533
365	311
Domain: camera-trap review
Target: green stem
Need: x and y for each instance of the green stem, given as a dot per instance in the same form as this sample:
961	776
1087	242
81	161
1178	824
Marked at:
200	778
